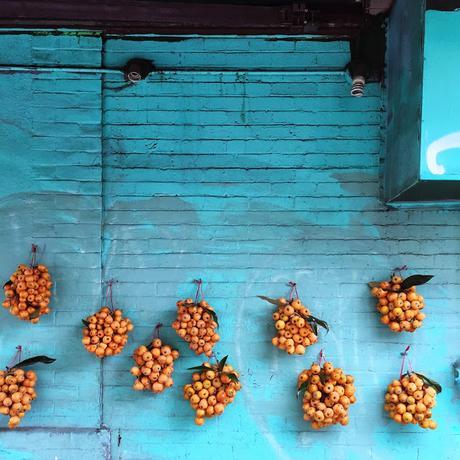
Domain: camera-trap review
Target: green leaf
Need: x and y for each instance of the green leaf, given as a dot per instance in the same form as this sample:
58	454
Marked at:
199	368
86	323
415	280
314	327
30	361
269	299
302	388
431	383
316	321
213	314
323	377
35	314
233	377
373	284
8	283
221	364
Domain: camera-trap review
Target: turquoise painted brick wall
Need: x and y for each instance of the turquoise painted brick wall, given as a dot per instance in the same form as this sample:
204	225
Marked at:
246	179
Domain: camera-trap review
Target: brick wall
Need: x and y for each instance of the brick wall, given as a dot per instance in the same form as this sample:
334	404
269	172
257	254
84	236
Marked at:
246	179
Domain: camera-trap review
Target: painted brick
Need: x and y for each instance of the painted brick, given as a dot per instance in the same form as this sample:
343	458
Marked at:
40	205
41	48
54	444
228	52
245	179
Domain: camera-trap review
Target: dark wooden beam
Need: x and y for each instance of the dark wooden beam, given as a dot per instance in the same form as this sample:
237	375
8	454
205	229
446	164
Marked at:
336	19
375	7
443	5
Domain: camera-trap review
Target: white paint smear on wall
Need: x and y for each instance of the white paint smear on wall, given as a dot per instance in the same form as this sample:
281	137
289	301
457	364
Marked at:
450	141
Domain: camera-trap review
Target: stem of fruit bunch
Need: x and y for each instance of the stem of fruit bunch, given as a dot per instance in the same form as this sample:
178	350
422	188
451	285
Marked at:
404	354
16	358
293	291
156	331
199	289
33	255
400	269
213	355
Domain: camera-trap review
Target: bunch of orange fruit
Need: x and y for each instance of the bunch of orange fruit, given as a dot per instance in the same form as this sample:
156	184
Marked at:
28	292
212	389
105	333
327	394
154	366
16	395
297	328
17	389
410	400
197	323
398	302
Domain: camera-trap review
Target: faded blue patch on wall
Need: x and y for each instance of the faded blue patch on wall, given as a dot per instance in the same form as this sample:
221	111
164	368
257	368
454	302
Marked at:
247	180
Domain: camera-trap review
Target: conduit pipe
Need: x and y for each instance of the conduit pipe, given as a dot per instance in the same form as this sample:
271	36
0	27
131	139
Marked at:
100	70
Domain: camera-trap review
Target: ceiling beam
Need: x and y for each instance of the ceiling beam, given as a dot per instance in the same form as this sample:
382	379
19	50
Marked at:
375	7
140	16
443	5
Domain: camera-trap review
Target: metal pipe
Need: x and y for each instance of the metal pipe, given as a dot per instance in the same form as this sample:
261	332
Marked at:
17	68
169	71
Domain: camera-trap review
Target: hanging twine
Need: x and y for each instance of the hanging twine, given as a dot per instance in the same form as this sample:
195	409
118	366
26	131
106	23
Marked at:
16	358
33	255
214	356
409	366
321	358
156	331
199	289
109	293
293	291
404	354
